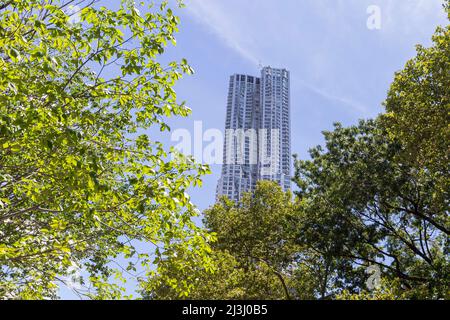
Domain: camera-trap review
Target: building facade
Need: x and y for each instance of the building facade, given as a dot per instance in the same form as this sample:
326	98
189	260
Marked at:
257	133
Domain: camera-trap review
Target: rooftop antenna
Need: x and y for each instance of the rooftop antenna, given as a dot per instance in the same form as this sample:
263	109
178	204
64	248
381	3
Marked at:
260	65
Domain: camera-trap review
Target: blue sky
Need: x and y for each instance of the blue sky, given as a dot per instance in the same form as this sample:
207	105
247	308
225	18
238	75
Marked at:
340	70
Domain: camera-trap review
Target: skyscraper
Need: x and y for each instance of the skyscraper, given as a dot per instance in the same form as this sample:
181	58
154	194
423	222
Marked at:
257	133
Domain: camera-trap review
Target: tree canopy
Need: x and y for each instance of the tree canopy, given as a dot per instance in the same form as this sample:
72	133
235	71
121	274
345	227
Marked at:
254	256
378	193
80	181
418	105
369	208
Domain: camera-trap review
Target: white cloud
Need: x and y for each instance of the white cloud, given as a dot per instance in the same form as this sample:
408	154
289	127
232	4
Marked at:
354	105
212	15
239	32
411	17
309	35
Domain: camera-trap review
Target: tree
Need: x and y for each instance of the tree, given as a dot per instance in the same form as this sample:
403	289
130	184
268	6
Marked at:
418	106
227	279
80	181
372	209
386	290
378	194
256	232
255	254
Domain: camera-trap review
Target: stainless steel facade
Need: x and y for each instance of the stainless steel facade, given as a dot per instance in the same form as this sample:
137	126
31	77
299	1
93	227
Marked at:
257	133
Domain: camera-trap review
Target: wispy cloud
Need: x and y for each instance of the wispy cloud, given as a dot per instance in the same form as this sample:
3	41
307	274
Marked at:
411	16
213	16
354	105
310	35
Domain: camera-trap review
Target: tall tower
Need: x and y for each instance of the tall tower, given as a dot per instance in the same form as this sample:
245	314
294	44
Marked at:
257	133
275	162
240	150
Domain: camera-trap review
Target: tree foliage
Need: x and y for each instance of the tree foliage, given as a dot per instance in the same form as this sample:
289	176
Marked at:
80	181
256	232
255	255
418	105
373	209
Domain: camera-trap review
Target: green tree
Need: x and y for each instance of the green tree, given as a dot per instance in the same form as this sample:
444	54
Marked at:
80	181
256	232
378	194
418	106
372	209
386	290
226	279
256	255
